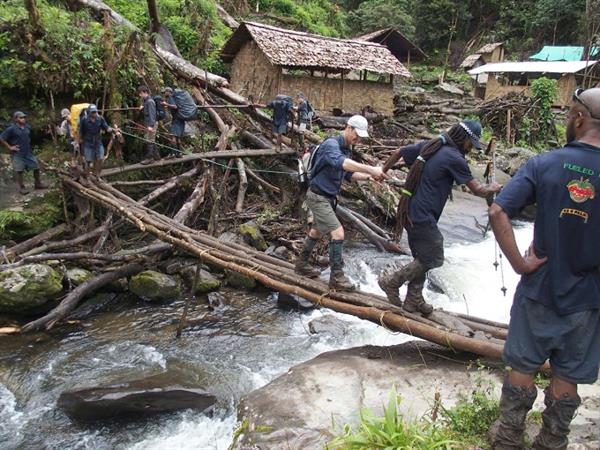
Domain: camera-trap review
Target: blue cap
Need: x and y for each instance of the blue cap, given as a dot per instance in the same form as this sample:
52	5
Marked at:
19	114
92	108
473	129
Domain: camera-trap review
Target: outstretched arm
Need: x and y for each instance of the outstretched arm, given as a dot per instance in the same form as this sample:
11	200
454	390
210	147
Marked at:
375	172
505	236
483	190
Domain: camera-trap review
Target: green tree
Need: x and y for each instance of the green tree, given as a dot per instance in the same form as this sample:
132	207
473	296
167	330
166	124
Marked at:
375	14
434	19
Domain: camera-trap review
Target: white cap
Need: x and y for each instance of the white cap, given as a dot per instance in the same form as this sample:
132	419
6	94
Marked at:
360	124
64	113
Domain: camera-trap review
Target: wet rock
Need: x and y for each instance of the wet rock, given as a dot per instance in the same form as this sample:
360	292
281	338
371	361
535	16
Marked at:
291	301
97	303
120	285
280	252
27	287
154	286
146	396
512	159
206	282
334	386
77	276
328	325
253	236
239	281
215	300
231	237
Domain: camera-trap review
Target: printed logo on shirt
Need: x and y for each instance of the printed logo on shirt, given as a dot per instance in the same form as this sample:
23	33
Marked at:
581	190
575	212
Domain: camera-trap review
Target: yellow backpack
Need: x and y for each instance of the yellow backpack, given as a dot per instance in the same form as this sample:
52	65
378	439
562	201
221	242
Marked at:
75	115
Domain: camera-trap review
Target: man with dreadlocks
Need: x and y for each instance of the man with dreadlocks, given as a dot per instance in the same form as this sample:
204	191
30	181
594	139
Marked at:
434	167
555	314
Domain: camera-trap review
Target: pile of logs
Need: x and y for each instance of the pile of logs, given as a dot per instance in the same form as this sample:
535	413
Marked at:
173	228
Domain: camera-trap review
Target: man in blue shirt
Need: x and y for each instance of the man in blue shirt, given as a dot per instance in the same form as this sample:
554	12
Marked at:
150	124
90	138
177	123
556	309
282	109
435	166
304	111
332	165
17	139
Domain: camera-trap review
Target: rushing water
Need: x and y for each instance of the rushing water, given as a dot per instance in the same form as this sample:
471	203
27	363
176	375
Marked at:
237	348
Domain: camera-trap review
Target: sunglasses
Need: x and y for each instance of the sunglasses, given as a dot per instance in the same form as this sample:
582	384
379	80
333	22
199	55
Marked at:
576	98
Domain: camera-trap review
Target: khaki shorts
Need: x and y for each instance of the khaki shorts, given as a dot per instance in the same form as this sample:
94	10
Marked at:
325	219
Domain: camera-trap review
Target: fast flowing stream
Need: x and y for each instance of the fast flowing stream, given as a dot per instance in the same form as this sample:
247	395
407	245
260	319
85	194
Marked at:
239	347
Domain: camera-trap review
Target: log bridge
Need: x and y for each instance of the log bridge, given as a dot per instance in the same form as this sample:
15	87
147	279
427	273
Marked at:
457	331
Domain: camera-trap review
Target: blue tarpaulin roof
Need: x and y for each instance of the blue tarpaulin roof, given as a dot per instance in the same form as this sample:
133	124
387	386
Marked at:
563	53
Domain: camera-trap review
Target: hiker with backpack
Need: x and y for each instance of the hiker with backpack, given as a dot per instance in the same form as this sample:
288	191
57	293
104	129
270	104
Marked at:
305	113
91	125
329	165
282	108
150	124
177	123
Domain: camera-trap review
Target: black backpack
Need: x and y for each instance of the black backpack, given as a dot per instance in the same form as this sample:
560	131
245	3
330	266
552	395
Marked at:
161	112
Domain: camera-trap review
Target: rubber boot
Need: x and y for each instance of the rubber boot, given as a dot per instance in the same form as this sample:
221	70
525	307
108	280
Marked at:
303	266
38	181
337	280
19	179
507	432
390	283
150	155
414	301
556	419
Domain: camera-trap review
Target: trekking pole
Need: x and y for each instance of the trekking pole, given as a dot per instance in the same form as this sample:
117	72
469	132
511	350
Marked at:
497	254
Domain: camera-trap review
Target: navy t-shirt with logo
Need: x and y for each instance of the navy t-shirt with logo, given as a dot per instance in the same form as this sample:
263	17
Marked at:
564	183
442	169
15	135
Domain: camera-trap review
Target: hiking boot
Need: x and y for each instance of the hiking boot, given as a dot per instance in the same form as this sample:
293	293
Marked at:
146	161
23	190
40	186
414	301
303	268
339	282
507	432
390	284
556	419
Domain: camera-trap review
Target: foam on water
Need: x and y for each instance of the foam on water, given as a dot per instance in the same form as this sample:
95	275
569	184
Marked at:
10	417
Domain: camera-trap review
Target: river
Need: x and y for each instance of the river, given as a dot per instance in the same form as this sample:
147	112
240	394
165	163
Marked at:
240	347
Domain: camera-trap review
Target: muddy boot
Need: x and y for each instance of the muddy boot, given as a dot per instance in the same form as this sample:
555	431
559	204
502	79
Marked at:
507	432
556	419
19	179
337	280
414	301
38	182
302	266
390	283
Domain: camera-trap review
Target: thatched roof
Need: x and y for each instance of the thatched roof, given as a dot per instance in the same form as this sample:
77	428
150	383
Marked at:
489	48
400	46
470	60
289	48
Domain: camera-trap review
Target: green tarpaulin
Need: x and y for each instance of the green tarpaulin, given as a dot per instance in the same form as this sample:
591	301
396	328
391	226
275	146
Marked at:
563	53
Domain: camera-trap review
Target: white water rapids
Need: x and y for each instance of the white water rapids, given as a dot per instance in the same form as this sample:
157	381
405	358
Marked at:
32	377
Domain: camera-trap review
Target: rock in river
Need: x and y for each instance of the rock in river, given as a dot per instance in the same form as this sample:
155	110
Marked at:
27	287
145	396
154	286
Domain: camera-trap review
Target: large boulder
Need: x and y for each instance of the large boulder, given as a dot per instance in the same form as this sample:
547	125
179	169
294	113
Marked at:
253	236
27	287
146	396
239	281
77	276
154	286
330	325
206	282
512	159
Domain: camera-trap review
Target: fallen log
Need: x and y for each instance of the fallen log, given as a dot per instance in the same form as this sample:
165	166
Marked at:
75	296
27	245
241	167
66	257
66	243
242	153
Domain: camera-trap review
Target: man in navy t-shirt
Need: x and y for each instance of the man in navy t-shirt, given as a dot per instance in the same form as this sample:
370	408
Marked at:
282	109
556	309
435	166
17	139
